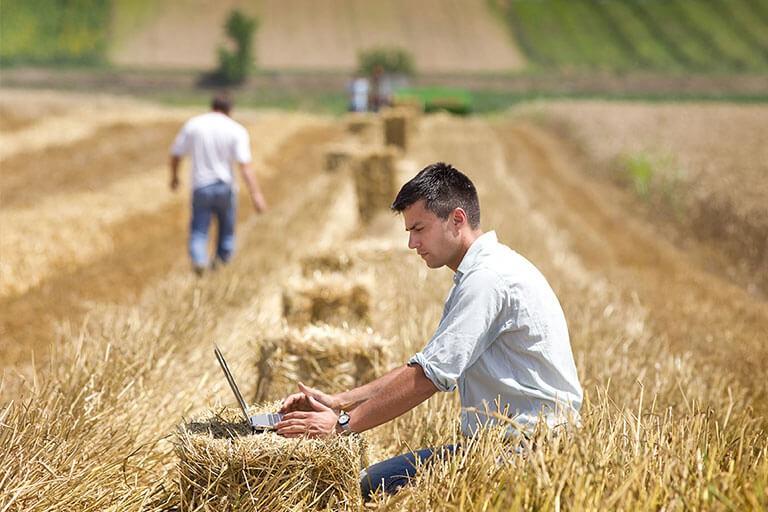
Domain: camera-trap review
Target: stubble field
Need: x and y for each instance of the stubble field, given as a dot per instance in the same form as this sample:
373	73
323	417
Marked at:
95	282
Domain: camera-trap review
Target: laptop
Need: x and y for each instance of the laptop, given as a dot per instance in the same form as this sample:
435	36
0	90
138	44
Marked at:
259	422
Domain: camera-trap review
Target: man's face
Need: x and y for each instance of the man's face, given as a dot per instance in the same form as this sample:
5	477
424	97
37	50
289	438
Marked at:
435	240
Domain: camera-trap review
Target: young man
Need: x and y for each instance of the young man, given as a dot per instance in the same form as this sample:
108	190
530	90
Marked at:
215	141
502	340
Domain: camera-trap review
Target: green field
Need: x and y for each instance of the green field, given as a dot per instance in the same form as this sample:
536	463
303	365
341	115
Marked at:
659	35
54	31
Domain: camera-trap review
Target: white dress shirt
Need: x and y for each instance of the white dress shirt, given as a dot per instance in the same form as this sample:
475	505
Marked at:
215	141
503	341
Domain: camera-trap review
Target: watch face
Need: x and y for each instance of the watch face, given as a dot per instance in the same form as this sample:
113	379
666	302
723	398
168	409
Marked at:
343	419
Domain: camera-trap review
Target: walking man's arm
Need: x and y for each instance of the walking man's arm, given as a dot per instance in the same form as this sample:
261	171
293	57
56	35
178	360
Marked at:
254	191
174	165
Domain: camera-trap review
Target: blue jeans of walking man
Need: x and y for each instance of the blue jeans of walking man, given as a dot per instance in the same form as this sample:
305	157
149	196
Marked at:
216	200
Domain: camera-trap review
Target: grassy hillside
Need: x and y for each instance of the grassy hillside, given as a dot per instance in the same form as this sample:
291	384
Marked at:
667	36
53	31
661	35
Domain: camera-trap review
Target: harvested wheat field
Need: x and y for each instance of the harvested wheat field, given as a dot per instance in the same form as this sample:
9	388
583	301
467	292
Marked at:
704	166
672	355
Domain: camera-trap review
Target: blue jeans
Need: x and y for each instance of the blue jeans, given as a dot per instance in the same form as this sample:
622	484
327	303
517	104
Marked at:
217	199
394	473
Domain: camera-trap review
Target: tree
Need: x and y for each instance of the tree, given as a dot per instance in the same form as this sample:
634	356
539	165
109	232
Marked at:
394	61
234	66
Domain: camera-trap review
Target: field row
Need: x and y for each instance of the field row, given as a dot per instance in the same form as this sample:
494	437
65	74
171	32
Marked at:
699	167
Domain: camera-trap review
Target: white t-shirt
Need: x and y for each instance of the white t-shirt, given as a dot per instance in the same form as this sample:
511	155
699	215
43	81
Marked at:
503	336
214	141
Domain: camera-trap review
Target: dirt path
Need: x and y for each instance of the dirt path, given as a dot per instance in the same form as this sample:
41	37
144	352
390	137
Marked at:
146	247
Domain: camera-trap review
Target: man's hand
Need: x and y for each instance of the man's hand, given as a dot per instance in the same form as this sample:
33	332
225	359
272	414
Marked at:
319	421
259	203
300	401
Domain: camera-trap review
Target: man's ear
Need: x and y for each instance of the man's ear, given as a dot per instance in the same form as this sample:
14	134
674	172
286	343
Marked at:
458	217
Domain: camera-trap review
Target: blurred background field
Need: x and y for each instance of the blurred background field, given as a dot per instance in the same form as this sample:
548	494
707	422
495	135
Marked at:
620	145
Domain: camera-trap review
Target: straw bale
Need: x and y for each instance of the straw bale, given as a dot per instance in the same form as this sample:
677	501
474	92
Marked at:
326	262
396	124
339	157
375	182
222	466
327	298
364	127
329	358
412	107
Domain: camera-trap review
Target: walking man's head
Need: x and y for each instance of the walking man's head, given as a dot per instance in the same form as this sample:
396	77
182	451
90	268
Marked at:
441	213
222	102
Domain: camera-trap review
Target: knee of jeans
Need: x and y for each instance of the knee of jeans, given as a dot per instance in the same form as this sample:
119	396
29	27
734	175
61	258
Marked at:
370	485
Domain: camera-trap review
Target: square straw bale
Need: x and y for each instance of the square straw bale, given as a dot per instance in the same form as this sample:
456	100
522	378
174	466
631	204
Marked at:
327	298
364	127
339	157
375	182
325	262
222	466
396	125
412	108
329	358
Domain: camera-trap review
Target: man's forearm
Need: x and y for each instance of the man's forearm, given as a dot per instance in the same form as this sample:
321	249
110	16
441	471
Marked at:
250	179
259	203
174	166
349	400
386	398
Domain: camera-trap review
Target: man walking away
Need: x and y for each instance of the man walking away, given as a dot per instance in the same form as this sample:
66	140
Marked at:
214	141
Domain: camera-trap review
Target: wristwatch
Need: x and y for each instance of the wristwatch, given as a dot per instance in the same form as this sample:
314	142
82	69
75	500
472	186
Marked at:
343	422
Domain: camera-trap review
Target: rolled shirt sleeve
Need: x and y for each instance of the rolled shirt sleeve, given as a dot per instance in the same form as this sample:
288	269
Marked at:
472	320
243	148
181	144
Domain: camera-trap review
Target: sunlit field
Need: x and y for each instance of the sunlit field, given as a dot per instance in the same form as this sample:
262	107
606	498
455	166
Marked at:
107	336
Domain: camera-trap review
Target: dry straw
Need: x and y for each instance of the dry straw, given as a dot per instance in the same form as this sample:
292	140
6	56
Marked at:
330	358
375	182
327	262
364	127
327	298
222	466
396	128
339	157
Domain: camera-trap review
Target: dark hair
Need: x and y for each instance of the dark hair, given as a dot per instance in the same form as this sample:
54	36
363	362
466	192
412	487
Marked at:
443	189
222	102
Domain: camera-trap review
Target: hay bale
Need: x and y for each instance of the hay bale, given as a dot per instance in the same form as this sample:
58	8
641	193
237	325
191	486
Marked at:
333	262
396	129
327	298
375	182
364	127
339	157
329	358
223	467
413	107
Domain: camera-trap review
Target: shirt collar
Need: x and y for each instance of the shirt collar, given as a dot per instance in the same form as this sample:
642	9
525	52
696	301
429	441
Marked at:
469	259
